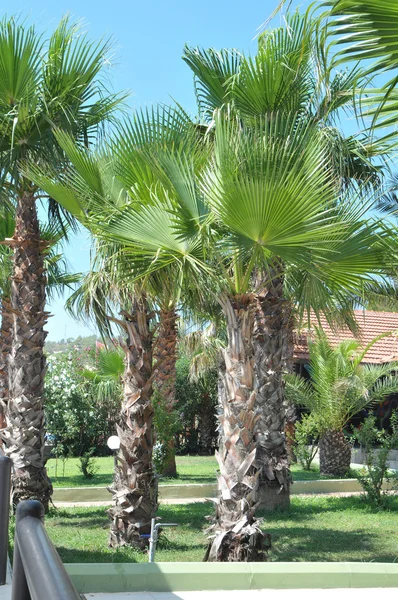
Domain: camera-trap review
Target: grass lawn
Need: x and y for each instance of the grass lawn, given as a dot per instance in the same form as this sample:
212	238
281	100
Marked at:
315	529
191	469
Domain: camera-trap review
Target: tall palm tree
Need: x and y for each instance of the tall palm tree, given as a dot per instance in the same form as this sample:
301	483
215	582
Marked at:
261	226
44	83
58	278
290	74
340	387
102	293
143	143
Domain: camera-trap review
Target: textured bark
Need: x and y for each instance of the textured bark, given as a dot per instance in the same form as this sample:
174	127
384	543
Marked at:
290	428
24	435
166	357
236	535
272	348
334	454
5	351
134	488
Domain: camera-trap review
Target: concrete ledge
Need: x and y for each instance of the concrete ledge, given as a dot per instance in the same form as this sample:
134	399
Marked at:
168	492
169	577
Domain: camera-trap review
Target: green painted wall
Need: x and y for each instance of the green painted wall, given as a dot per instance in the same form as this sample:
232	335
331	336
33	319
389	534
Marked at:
164	577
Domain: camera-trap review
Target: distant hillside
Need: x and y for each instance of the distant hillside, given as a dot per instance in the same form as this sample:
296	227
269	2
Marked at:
69	343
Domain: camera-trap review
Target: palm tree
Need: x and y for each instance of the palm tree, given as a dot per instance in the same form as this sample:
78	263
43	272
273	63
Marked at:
260	226
58	278
102	293
340	387
290	74
366	30
7	225
43	84
107	377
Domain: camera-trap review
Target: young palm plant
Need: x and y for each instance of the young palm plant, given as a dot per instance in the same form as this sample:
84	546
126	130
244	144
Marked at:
341	385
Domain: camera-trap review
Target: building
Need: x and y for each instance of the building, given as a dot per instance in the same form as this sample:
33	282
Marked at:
371	324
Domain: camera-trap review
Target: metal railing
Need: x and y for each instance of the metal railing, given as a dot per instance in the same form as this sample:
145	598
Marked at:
5	491
38	572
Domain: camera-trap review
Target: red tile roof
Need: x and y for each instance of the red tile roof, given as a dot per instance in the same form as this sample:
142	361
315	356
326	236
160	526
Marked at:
371	324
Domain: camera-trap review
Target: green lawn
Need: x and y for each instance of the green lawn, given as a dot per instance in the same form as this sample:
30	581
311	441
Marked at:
315	529
191	469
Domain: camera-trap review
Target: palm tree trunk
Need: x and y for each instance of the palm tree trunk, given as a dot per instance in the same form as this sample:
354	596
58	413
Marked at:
5	351
272	350
236	535
24	434
334	454
166	357
207	423
134	488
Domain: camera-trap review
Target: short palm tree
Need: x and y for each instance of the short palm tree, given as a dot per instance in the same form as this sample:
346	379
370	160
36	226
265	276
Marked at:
108	375
43	84
341	386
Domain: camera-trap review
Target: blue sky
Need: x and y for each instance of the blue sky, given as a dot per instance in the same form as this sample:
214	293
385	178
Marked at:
148	39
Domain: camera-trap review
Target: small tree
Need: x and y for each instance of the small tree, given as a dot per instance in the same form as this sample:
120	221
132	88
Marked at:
306	440
78	419
376	472
341	387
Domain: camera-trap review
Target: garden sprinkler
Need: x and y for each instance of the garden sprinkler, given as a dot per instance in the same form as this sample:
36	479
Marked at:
154	536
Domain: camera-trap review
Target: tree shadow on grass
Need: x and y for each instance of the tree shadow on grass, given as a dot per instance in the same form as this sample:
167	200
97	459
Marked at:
73	517
123	555
295	544
302	509
192	479
188	515
99	480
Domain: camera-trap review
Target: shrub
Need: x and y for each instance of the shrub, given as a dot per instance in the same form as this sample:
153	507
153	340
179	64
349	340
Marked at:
166	424
197	409
78	423
306	439
88	465
159	456
376	470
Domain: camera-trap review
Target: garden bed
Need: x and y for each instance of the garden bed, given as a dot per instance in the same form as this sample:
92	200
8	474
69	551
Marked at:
315	529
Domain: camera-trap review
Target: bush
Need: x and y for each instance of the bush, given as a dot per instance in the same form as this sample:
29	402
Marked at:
77	422
166	424
306	439
196	408
159	457
376	471
88	465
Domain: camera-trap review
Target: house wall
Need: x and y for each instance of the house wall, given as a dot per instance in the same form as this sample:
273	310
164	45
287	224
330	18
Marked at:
357	456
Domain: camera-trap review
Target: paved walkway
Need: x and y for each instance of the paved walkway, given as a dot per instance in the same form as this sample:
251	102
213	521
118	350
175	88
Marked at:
316	594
